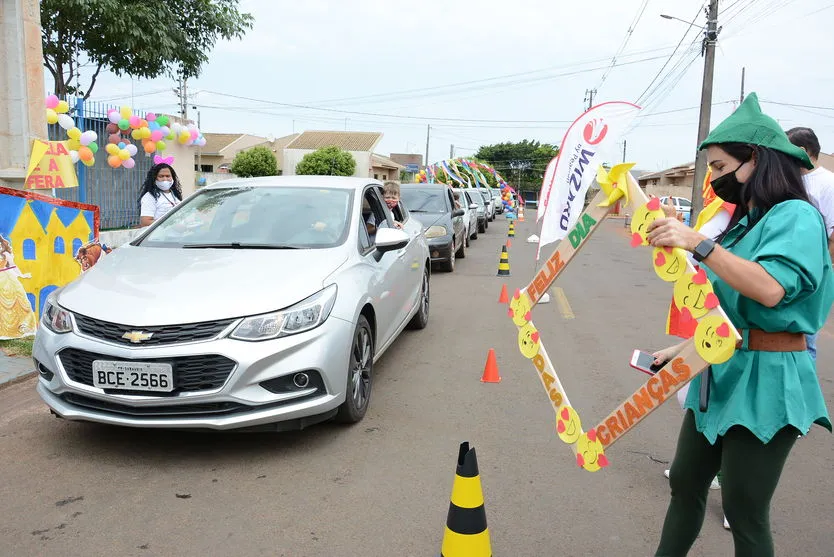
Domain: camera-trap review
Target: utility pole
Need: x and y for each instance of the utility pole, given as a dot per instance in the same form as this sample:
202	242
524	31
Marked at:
710	38
589	97
624	150
182	92
428	133
452	151
199	148
741	98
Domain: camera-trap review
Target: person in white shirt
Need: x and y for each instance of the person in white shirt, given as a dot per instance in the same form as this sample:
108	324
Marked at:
161	192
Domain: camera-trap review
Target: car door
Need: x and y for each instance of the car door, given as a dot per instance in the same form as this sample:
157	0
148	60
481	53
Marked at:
457	222
387	267
412	256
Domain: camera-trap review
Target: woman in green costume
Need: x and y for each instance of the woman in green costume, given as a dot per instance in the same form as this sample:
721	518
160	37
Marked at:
772	274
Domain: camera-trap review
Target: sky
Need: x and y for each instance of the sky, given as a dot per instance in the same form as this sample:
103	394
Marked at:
483	71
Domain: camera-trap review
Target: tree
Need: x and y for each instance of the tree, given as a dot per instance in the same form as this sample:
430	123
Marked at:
257	161
523	163
139	39
327	161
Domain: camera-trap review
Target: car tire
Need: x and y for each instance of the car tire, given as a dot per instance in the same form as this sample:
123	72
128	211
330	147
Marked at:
482	226
449	264
466	238
475	234
461	253
421	318
360	374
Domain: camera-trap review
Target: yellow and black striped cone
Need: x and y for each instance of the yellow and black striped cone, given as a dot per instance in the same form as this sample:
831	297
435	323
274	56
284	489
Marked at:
466	533
511	230
504	262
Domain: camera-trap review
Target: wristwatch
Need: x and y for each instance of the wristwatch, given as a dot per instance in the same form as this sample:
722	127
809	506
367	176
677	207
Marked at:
703	249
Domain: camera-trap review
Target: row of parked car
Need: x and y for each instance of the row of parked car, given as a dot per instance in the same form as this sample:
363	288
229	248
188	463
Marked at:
452	217
261	302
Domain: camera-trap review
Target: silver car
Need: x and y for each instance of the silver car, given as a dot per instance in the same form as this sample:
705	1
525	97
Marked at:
470	214
257	302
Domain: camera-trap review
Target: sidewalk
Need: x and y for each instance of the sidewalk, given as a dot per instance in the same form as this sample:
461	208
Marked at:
12	368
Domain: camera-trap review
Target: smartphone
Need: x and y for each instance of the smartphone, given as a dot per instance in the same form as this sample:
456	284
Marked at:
644	362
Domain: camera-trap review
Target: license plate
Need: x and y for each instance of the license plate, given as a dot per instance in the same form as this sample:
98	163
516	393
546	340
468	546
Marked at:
133	376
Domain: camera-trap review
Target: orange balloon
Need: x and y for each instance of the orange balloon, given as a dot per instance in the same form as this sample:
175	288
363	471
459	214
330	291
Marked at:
114	161
85	154
149	146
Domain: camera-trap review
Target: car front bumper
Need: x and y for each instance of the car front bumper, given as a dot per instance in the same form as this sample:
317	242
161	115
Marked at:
440	249
241	399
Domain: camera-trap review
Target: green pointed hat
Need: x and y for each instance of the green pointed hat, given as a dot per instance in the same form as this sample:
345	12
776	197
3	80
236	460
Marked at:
748	124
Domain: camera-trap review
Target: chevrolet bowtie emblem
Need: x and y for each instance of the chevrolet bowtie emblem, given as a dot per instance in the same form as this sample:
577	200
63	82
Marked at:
137	336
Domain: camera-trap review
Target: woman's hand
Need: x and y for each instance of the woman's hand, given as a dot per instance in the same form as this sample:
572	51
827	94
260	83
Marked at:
663	356
670	232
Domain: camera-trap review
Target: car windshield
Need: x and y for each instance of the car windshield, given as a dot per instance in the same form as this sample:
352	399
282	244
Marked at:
256	218
485	195
474	199
423	200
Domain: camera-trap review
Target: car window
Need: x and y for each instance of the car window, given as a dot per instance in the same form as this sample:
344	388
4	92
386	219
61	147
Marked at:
374	213
684	202
428	200
263	216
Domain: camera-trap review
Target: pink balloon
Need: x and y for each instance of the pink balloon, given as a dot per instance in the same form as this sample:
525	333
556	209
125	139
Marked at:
114	117
128	163
134	121
156	136
194	134
51	101
150	116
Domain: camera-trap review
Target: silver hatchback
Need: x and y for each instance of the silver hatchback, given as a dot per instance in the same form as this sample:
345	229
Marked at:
258	302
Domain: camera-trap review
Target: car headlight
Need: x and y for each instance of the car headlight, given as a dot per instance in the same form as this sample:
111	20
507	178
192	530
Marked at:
55	318
303	316
436	231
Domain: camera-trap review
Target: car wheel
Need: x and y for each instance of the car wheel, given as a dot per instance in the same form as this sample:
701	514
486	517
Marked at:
481	227
475	233
449	264
466	239
360	375
421	318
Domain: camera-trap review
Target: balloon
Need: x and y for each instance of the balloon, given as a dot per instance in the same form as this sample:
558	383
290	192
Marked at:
176	127
114	117
73	145
112	128
184	137
136	134
149	146
131	149
88	137
74	156
160	146
114	138
134	121
153	126
121	145
93	147
163	120
129	163
156	135
74	133
65	121
112	149
90	162
125	112
124	124
124	155
145	133
51	116
194	134
51	101
114	161
62	107
150	117
85	154
170	136
165	130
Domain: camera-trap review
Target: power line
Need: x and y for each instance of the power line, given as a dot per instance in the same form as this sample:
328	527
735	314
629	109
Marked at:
628	34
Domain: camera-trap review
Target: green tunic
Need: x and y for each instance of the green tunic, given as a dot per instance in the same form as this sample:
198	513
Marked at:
765	391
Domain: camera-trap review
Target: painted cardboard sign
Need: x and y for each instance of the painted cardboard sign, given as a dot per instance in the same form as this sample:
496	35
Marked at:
50	166
714	341
40	238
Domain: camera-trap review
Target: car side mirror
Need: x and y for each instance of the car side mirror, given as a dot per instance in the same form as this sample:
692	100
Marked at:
390	239
457	213
473	206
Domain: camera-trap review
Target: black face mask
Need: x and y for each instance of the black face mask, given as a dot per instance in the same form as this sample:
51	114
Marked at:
727	187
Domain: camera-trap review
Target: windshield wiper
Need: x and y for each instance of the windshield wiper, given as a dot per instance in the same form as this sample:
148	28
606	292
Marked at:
238	245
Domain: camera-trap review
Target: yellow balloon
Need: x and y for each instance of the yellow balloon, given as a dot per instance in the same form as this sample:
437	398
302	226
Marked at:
145	133
74	133
184	137
51	116
112	149
62	107
126	112
123	154
73	144
136	134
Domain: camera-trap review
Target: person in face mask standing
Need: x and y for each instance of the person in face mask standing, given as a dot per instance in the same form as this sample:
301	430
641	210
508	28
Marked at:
161	192
771	272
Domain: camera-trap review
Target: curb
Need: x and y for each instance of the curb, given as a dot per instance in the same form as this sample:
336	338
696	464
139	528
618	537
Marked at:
17	379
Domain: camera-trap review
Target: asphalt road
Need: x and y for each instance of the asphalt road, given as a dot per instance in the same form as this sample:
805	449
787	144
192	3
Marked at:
382	487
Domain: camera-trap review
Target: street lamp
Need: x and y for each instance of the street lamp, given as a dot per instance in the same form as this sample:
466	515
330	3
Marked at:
665	16
199	147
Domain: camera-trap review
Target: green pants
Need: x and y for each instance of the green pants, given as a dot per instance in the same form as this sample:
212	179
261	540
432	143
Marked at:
750	471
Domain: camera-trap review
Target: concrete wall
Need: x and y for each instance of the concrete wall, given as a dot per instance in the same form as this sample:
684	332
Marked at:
293	156
670	190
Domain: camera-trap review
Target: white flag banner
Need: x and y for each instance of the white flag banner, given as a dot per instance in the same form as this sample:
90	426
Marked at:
547	183
590	141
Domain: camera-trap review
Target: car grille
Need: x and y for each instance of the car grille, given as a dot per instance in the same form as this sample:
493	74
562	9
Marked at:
191	373
198	409
165	334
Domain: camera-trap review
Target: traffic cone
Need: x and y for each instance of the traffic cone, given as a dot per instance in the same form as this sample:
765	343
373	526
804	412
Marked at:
511	230
466	532
504	298
521	216
509	243
491	369
504	263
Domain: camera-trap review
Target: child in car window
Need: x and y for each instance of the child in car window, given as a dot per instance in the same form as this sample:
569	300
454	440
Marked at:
391	194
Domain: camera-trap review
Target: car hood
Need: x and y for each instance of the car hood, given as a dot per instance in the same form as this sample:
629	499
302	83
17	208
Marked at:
162	286
430	219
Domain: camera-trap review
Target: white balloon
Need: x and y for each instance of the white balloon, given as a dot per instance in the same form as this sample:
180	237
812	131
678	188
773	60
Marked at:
74	156
88	137
176	128
131	148
165	131
66	121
